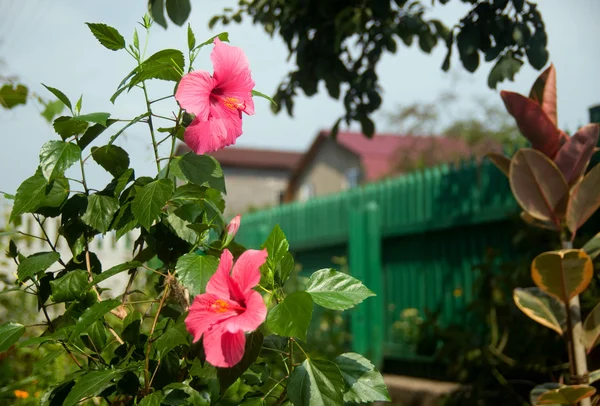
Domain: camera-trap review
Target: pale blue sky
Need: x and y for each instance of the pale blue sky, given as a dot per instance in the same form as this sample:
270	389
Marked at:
48	42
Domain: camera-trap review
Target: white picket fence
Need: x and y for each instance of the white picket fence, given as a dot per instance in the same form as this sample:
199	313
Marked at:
109	251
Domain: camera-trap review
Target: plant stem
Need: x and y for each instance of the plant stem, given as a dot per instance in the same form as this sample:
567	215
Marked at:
147	378
151	126
177	121
47	238
575	334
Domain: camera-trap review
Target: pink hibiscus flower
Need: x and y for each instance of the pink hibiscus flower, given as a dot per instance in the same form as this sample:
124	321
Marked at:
229	308
217	101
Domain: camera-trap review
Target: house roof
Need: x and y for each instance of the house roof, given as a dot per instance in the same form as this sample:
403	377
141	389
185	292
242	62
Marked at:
252	158
379	155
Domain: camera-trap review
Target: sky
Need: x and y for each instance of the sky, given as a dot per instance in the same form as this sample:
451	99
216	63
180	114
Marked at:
48	42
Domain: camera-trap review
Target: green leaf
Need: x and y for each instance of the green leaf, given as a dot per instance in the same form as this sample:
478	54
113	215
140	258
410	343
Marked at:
291	317
284	269
78	104
153	399
157	11
9	334
538	185
223	36
264	96
592	247
167	64
336	290
541	307
277	246
60	96
173	336
35	263
112	158
108	36
506	67
191	38
98	118
91	384
30	194
12	96
100	212
40	366
96	337
53	109
150	200
113	271
227	376
563	274
364	383
316	382
194	271
179	10
540	389
69	287
93	314
67	127
202	170
180	226
57	156
565	395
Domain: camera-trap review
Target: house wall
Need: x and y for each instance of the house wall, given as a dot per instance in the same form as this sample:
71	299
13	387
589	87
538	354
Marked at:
327	170
252	188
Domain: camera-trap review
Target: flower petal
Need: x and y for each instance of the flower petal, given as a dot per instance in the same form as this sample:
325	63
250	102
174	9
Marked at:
232	72
246	270
206	136
218	284
201	318
193	93
223	348
252	318
231	119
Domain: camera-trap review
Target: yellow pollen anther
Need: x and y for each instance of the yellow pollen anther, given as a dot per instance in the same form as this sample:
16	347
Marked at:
220	306
233	103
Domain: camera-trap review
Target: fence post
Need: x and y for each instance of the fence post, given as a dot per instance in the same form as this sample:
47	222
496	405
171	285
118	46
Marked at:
364	257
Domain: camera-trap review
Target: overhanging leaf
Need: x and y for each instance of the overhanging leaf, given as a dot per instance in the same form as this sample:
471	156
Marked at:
291	317
563	274
179	10
108	36
9	334
35	263
542	308
336	290
538	185
60	96
112	158
364	383
98	118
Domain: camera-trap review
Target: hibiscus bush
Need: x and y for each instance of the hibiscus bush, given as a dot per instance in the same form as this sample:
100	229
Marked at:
202	320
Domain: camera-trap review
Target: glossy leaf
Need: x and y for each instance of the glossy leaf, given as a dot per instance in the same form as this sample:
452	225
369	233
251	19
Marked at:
35	263
112	158
566	395
157	11
93	314
91	384
591	329
336	290
69	287
30	194
167	64
277	246
316	382
585	200
191	38
194	271
563	274
150	200
153	399
173	336
256	93
9	334
543	93
92	133
541	307
67	127
284	269
592	247
202	170
574	156
227	376
594	376
538	185
114	271
364	383
100	212
108	36
57	156
178	10
60	96
97	118
534	124
291	317
502	162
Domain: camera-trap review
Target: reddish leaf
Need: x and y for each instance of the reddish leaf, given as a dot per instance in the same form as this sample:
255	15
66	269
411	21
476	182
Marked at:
538	185
543	93
534	124
584	200
574	156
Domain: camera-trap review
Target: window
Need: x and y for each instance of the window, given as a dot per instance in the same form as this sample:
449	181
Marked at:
307	191
352	177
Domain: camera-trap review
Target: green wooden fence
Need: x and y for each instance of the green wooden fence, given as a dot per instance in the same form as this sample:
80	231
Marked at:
412	239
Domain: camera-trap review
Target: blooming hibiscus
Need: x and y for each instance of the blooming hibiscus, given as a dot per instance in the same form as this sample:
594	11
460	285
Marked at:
229	308
217	101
